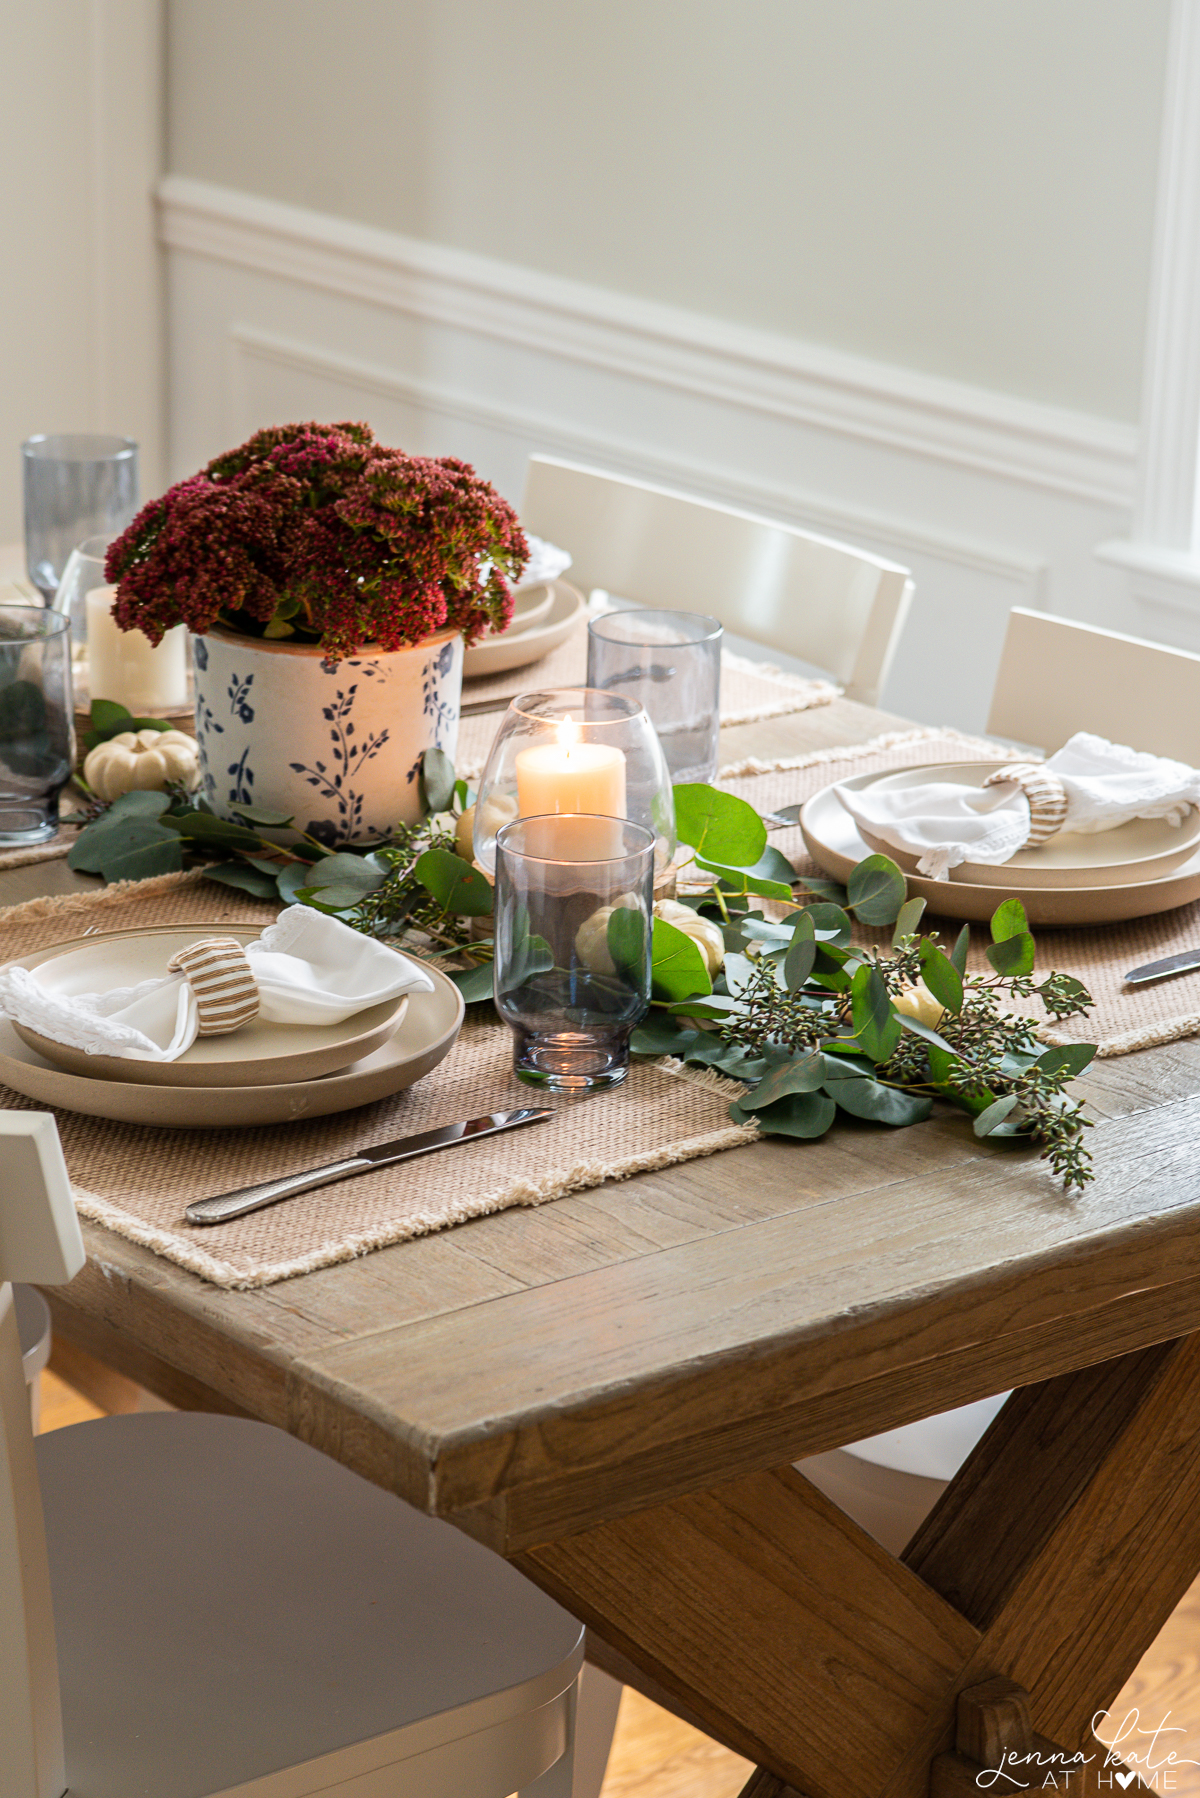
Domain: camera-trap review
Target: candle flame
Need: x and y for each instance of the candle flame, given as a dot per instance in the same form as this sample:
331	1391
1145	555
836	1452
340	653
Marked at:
568	734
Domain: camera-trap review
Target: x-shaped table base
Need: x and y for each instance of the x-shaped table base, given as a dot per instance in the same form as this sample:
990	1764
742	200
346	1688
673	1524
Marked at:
1052	1560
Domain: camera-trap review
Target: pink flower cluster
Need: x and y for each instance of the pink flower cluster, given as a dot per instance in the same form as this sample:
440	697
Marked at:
316	533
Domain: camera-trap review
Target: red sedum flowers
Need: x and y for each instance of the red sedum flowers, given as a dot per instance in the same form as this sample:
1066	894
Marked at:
318	534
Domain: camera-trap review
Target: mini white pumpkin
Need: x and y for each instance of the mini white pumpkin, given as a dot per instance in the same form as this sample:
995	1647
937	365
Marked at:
704	932
142	760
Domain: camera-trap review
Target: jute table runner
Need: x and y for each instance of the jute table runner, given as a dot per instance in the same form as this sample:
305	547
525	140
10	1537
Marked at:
137	1180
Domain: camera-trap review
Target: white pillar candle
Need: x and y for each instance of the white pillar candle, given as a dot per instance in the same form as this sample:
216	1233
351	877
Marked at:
126	667
566	775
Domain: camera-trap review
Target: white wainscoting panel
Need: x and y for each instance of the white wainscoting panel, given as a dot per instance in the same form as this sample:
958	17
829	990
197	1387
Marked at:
277	314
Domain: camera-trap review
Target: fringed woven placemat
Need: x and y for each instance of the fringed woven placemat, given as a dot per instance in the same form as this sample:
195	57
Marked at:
749	691
138	1180
1122	1018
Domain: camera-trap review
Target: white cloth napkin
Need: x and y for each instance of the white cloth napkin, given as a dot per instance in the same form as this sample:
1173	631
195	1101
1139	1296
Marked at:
942	824
546	562
310	969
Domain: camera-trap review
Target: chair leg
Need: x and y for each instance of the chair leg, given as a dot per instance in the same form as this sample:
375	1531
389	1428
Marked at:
595	1720
558	1781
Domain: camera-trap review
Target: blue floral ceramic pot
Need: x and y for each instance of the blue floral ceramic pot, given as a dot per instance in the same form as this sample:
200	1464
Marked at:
340	751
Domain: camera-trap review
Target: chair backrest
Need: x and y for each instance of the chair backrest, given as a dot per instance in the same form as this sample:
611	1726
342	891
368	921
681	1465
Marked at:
1057	677
39	1241
838	608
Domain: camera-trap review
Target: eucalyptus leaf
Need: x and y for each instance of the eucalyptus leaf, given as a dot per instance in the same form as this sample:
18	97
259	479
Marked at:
805	1115
130	848
626	939
437	780
831	890
875	1023
995	1114
1071	1059
678	969
741	880
831	922
866	1098
291	879
662	1035
255	814
909	918
718	825
345	873
136	805
875	890
458	887
962	942
475	984
246	879
941	976
1012	955
712	1051
528	956
107	715
805	1074
801	957
1009	920
218	833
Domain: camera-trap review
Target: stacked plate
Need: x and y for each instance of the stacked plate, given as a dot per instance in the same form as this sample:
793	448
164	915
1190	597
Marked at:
544	616
1133	871
261	1074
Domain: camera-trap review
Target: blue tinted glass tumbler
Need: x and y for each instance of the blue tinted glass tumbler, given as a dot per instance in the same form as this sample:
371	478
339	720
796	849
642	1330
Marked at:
76	486
574	915
37	722
671	662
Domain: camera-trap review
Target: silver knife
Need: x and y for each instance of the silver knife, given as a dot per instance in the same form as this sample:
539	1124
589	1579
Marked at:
224	1205
1158	970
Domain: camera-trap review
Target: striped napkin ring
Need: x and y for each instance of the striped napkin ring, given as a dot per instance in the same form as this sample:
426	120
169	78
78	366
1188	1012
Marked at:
219	973
1045	793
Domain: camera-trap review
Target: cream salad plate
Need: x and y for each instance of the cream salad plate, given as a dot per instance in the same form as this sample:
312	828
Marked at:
1142	849
420	1034
833	840
528	641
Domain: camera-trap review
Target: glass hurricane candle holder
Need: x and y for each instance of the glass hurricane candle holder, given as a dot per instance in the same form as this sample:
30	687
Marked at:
37	722
671	663
576	750
573	921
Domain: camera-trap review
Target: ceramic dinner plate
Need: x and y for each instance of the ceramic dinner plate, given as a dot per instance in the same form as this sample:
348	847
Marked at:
425	1036
1143	849
496	655
835	845
258	1054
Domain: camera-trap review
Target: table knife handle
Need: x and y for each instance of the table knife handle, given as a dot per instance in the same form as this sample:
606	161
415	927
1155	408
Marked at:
224	1205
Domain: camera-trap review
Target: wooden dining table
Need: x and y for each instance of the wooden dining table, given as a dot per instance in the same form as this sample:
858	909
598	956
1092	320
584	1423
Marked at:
611	1390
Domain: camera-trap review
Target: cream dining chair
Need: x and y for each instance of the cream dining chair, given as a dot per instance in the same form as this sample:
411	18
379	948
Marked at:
1057	677
837	608
194	1606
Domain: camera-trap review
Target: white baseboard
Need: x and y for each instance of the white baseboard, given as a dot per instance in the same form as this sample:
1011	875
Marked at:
993	500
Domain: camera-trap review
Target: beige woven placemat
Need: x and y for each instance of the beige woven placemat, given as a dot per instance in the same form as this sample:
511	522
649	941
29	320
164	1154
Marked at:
1122	1018
749	691
137	1180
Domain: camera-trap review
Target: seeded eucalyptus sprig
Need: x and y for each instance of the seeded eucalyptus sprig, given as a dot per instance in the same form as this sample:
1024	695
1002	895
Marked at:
818	1023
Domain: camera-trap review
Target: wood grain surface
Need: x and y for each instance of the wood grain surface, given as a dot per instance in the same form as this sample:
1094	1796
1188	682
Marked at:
625	1368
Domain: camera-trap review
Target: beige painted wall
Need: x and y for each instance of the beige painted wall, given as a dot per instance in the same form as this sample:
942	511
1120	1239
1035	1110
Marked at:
960	186
80	145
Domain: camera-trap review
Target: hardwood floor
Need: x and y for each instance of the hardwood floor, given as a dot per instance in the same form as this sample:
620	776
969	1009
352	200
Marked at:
654	1755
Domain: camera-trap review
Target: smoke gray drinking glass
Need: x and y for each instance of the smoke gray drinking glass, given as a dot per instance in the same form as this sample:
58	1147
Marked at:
37	722
574	917
671	661
76	486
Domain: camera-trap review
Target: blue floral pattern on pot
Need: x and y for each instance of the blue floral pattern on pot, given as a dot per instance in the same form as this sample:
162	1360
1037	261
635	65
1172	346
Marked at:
336	749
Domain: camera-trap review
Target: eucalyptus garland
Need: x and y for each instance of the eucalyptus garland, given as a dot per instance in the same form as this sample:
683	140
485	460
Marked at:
827	998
